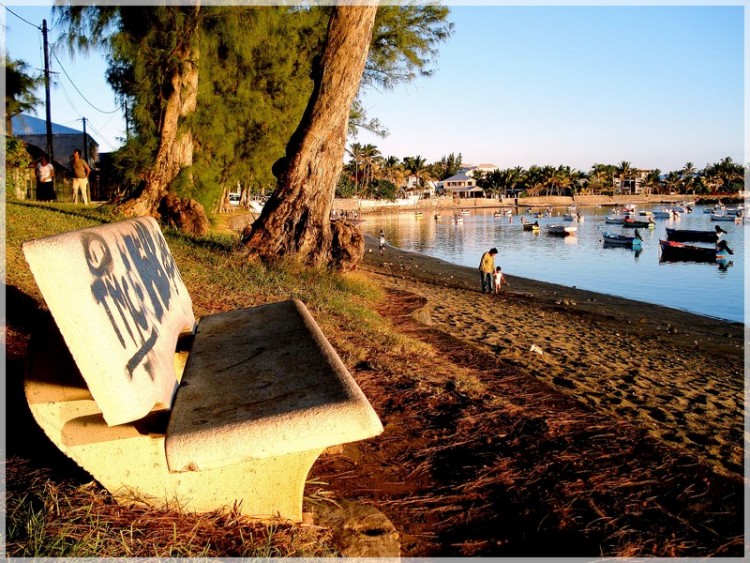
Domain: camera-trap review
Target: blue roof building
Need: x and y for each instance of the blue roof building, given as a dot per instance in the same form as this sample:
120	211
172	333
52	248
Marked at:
33	131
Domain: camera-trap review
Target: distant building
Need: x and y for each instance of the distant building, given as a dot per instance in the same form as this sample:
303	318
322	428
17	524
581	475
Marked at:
33	131
462	185
632	184
480	169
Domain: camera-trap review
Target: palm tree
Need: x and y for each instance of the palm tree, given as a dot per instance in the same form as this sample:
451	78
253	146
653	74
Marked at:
415	165
687	175
355	151
19	90
624	172
653	183
369	156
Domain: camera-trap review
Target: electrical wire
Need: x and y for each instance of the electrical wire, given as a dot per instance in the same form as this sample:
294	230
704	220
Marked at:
19	17
117	109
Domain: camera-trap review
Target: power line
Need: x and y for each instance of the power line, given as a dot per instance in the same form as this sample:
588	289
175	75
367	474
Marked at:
81	93
19	17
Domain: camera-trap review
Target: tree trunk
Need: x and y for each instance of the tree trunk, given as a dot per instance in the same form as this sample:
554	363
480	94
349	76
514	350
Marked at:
296	219
175	146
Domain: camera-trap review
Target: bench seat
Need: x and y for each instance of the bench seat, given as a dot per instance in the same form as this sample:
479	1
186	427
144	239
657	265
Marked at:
263	382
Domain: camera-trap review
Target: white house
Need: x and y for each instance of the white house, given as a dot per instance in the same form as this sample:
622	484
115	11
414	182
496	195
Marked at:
462	185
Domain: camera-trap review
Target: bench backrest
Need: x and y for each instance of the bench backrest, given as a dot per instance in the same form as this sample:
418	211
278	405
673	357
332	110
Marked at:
120	303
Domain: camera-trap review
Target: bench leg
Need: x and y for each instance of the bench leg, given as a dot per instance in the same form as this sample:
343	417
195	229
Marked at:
130	461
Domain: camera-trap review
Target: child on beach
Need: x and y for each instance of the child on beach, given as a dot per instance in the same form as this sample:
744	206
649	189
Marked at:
381	241
497	279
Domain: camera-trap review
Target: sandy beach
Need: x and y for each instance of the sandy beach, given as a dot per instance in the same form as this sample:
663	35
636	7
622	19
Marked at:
620	432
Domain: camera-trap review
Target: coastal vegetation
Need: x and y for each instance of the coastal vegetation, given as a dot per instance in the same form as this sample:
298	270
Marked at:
367	169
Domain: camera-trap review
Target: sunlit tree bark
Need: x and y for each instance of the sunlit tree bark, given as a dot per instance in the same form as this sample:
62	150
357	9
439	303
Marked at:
296	219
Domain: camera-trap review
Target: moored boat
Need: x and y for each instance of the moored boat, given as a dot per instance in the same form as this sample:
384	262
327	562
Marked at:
561	230
616	239
685	235
726	217
676	251
528	225
632	223
614	219
665	213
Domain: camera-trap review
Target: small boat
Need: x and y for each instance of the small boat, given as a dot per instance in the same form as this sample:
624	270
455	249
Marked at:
561	230
684	235
528	225
676	251
632	223
616	239
506	213
568	217
645	213
666	213
418	213
614	219
726	217
465	212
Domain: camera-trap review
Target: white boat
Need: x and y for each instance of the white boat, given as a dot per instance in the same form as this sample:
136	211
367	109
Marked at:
725	217
614	219
665	213
561	230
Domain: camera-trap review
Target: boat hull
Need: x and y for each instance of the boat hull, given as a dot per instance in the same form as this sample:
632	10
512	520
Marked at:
672	251
685	235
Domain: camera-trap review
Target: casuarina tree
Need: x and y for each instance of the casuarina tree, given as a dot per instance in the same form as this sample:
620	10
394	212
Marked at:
296	219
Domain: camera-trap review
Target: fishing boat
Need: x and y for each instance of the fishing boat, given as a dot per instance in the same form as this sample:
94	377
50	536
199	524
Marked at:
616	239
679	251
665	213
561	230
685	235
465	212
505	213
726	217
528	225
633	223
614	219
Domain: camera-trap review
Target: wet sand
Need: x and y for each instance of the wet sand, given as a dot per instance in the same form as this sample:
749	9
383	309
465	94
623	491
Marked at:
676	374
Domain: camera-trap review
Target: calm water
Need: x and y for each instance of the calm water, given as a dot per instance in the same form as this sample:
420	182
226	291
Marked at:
582	260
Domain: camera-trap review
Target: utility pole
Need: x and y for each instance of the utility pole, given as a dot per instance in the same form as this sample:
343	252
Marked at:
85	143
50	150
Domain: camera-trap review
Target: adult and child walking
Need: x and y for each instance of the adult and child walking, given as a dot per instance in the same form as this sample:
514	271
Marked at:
492	277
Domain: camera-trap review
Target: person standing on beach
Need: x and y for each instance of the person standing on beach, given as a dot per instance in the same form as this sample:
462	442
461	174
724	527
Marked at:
381	241
81	171
487	268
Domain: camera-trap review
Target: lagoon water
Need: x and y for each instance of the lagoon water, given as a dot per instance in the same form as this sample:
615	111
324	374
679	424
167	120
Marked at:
582	260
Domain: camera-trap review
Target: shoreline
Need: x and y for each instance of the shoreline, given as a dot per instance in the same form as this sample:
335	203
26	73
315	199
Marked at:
435	270
366	207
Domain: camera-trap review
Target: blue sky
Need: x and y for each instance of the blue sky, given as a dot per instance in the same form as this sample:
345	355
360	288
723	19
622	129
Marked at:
657	86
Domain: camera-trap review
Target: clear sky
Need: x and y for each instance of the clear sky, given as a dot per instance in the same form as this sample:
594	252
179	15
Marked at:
657	86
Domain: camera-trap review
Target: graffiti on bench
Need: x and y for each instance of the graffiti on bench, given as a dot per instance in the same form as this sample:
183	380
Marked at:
137	296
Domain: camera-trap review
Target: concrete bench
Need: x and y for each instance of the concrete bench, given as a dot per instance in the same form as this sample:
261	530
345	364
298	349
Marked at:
229	411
